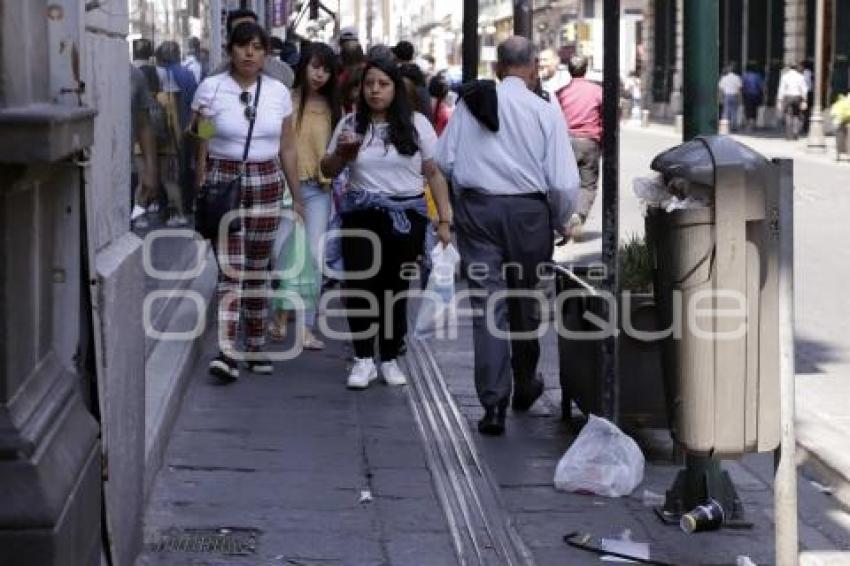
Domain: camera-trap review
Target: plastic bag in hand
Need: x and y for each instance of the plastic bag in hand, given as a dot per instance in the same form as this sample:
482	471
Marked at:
602	461
437	308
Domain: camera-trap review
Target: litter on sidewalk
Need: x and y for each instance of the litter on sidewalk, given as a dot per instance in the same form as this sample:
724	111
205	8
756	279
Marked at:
652	499
601	461
610	550
826	489
624	546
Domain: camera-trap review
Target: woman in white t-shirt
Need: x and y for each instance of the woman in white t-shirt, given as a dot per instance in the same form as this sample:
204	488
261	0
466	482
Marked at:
389	151
224	106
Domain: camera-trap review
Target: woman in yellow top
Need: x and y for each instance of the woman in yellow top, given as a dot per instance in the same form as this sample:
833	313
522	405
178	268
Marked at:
317	111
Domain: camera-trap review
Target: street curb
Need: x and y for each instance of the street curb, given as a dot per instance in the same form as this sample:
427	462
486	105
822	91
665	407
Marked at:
168	371
814	467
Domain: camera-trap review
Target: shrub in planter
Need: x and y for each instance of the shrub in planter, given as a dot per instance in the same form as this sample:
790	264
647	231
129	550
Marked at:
641	384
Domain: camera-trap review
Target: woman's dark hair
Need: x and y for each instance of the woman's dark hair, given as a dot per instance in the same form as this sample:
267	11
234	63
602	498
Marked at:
239	14
438	87
401	131
245	33
351	54
326	57
168	53
413	74
350	80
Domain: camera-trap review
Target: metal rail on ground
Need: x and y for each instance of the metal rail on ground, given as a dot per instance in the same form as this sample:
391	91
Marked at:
481	529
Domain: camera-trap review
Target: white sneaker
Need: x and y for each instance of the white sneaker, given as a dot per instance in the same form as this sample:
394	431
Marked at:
141	223
362	374
392	373
137	211
575	226
176	221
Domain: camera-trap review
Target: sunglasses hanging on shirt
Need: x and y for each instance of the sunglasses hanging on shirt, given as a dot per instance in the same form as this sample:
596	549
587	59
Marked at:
250	111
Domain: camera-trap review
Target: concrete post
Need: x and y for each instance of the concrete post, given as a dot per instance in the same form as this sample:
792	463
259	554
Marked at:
816	141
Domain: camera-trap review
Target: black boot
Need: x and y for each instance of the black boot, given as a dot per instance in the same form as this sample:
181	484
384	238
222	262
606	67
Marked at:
493	421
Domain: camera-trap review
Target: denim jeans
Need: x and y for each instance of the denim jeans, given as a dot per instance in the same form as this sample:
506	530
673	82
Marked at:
730	110
317	209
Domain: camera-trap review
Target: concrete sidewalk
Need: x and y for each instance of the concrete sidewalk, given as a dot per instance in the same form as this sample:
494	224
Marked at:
524	460
270	470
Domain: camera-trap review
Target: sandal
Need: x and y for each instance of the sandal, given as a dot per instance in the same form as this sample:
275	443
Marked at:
276	333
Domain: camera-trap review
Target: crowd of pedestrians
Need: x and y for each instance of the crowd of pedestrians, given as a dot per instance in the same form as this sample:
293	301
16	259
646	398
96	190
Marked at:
319	137
794	98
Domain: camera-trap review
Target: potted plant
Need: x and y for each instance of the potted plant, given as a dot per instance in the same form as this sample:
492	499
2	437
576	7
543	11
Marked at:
641	396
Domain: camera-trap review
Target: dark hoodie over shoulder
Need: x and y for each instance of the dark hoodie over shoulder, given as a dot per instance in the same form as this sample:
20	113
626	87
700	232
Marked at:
482	101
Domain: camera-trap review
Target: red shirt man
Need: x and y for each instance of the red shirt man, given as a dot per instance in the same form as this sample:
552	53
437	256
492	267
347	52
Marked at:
581	103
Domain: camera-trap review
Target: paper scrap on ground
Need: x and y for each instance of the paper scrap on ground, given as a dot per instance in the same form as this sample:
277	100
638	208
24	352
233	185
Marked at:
624	545
822	488
652	499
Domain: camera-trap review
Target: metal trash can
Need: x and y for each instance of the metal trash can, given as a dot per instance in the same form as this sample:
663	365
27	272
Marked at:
717	290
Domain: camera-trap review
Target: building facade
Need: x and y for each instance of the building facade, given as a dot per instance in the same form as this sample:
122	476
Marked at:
71	288
765	34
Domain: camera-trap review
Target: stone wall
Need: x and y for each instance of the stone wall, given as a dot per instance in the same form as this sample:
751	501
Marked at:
795	31
118	293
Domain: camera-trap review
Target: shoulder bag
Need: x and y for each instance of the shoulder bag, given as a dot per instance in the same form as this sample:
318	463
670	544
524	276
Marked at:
215	200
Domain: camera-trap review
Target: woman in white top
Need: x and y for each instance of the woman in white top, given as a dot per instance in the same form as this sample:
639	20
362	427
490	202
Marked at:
389	150
224	107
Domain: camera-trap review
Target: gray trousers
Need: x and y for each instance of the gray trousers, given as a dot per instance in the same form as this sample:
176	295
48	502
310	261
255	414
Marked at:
587	153
503	241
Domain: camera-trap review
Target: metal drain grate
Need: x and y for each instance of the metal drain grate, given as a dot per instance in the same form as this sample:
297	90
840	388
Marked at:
225	541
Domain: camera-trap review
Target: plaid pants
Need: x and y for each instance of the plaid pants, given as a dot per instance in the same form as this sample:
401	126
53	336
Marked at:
243	275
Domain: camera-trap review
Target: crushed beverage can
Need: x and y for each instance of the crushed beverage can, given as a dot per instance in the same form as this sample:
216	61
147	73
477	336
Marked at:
708	517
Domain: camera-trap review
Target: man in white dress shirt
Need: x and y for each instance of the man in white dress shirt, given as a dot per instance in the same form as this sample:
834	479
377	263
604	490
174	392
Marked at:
508	154
791	100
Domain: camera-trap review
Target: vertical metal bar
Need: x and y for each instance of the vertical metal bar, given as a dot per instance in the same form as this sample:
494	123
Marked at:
215	33
470	40
785	482
611	198
701	67
700	70
523	18
745	38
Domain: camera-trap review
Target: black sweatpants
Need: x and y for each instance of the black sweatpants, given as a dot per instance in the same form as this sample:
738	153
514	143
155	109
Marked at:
358	255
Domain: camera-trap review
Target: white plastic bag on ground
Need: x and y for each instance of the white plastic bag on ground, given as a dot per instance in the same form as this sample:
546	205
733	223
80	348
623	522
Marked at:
437	308
602	460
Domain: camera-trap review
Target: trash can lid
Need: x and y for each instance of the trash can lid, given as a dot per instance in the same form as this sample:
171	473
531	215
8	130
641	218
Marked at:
696	160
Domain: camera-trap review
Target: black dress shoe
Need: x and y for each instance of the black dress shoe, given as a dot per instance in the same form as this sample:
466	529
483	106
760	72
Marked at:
526	392
493	421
